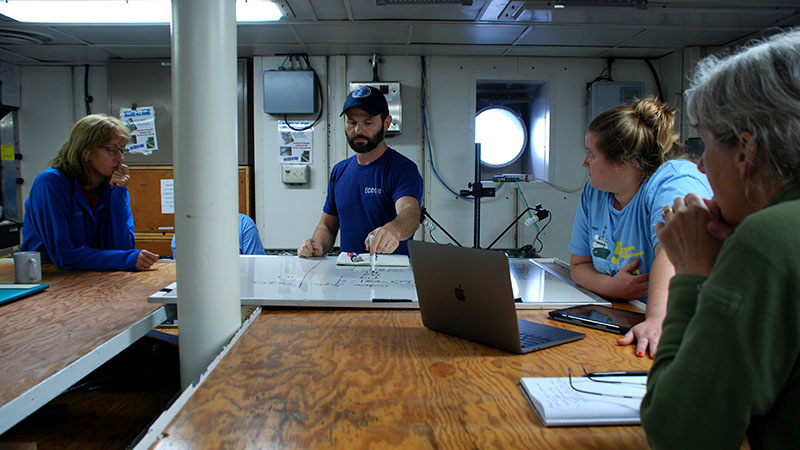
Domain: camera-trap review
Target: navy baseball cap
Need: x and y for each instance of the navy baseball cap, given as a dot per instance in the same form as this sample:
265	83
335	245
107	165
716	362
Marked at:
368	99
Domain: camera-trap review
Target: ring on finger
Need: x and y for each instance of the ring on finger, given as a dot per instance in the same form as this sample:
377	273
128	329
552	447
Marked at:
667	210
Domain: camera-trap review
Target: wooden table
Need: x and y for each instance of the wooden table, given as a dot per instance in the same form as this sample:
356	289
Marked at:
378	378
54	338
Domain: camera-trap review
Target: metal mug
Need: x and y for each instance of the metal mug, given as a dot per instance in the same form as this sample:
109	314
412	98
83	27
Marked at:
27	267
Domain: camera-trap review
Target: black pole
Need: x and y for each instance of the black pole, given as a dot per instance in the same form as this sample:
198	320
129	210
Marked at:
477	188
426	214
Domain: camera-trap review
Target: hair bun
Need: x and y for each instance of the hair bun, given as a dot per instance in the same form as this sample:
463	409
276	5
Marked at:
653	112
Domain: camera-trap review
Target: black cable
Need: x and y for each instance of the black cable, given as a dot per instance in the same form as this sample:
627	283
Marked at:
321	98
86	97
538	233
375	77
656	78
283	64
424	214
535	210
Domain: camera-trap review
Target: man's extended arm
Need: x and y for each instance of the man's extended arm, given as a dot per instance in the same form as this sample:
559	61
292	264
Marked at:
323	238
387	237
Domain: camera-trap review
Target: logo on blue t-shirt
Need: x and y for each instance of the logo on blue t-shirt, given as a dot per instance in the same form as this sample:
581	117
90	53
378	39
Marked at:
373	191
601	250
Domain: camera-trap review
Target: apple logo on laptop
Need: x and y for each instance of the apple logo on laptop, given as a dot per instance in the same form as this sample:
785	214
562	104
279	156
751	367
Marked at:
459	291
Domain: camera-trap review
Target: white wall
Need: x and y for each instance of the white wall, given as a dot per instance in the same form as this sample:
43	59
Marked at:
51	102
52	99
283	211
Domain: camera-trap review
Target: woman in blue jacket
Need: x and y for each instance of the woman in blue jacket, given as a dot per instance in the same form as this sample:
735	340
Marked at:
78	214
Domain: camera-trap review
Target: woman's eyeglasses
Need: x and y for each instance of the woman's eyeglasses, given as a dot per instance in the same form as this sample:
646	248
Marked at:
114	151
596	380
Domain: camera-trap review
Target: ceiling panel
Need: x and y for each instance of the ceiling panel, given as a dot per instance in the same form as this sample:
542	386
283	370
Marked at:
684	38
465	34
589	36
118	34
326	9
266	34
326	27
352	32
368	10
458	50
13	57
37	33
719	14
141	52
67	54
556	51
635	52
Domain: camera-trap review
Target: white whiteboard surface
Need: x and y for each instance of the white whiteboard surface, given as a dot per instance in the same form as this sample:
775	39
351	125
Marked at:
318	282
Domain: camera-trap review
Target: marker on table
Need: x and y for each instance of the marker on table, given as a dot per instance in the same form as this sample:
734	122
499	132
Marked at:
373	257
627	373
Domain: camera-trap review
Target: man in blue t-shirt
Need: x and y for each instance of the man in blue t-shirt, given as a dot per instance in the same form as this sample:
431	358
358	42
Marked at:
373	195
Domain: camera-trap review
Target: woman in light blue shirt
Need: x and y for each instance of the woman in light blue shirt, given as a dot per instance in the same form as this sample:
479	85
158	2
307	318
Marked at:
635	170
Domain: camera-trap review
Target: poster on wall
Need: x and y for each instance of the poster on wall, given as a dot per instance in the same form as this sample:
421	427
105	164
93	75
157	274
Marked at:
141	123
167	196
294	142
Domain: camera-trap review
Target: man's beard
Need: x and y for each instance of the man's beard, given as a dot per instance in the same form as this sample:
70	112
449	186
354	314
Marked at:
372	142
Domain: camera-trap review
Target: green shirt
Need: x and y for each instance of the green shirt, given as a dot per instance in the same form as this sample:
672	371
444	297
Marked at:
729	358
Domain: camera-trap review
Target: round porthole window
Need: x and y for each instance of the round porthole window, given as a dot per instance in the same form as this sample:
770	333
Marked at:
502	135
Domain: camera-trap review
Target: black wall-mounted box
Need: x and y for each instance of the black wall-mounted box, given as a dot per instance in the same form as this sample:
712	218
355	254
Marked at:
290	92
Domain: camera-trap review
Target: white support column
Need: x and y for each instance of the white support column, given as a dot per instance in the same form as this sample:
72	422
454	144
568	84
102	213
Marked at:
206	178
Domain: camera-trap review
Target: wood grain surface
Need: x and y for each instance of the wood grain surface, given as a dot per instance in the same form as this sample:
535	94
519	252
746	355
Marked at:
42	334
379	379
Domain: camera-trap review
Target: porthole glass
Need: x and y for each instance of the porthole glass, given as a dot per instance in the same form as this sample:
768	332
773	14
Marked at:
502	135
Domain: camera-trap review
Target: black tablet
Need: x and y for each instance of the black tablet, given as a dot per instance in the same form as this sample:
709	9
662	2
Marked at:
599	317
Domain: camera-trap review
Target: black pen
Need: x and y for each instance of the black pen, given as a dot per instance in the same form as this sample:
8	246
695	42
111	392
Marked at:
627	373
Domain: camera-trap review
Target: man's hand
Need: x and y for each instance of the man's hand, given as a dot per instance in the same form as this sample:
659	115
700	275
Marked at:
120	177
145	260
309	248
647	334
383	241
626	285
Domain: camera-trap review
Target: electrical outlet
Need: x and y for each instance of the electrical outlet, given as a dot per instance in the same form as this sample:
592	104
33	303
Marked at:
294	174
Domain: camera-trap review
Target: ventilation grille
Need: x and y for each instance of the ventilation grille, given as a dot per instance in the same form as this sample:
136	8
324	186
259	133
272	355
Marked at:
10	36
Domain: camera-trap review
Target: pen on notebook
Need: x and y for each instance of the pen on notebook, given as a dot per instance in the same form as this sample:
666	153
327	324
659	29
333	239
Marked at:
373	257
626	373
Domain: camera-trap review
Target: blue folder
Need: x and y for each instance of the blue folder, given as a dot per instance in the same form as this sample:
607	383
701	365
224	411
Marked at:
11	292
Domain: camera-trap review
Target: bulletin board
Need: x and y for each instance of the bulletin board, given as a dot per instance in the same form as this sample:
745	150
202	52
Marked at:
145	192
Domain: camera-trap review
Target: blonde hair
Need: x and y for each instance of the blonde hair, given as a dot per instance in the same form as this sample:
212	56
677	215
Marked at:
642	132
88	134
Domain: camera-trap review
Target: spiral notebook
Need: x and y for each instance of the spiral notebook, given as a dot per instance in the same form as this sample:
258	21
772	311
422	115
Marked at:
558	404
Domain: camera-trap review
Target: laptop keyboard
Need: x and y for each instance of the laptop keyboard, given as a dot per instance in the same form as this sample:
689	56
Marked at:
530	340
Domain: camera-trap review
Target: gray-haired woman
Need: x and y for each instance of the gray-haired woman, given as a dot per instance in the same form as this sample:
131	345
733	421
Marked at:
729	359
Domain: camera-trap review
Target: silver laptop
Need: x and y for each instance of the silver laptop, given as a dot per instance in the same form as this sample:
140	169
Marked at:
467	293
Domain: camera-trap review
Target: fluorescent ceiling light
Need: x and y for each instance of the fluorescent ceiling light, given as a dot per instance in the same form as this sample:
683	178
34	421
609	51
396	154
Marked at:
120	11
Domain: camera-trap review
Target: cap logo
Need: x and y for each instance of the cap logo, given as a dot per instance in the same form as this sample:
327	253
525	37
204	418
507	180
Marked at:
362	92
